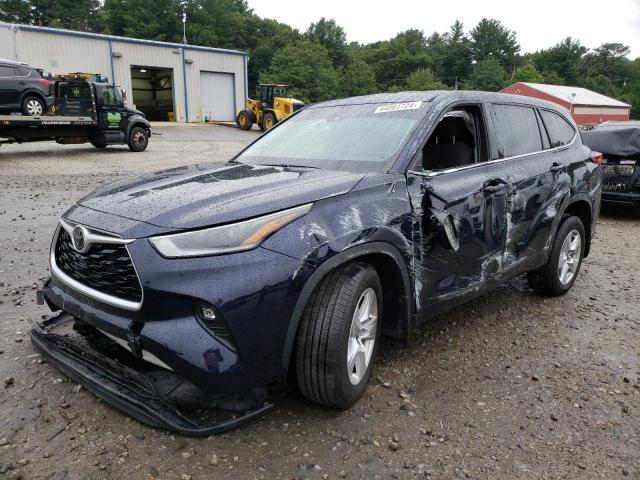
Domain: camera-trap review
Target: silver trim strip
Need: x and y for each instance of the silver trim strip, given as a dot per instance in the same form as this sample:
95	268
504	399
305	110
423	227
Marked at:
91	292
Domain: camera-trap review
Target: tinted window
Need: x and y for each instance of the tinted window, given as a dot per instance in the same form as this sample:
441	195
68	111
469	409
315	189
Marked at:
560	131
6	71
23	71
111	97
517	130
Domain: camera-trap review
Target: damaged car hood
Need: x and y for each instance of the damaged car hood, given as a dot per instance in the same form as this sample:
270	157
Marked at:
203	195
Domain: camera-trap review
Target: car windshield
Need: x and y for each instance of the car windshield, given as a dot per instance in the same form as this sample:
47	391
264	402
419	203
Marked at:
358	138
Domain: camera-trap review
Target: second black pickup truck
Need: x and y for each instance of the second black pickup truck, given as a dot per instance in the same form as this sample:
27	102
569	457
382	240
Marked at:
83	112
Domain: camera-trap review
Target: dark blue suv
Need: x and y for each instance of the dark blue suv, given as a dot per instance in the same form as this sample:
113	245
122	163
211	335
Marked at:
352	220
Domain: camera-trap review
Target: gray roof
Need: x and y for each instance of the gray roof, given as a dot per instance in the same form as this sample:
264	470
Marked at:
576	95
113	38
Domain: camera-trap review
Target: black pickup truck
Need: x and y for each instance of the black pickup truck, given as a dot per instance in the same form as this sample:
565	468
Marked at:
82	112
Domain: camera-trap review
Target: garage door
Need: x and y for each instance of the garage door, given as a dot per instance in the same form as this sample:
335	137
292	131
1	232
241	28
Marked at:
217	95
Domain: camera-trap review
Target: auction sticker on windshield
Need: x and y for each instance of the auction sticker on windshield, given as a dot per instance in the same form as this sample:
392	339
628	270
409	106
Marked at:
395	107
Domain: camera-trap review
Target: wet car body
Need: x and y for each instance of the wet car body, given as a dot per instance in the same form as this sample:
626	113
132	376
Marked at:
505	211
619	143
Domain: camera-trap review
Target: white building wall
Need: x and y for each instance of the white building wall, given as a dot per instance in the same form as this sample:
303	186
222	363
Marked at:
113	57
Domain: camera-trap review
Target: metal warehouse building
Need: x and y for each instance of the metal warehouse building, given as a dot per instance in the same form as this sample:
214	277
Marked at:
585	105
162	79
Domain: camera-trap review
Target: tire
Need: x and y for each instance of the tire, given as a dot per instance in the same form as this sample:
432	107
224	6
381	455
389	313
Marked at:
138	139
244	120
324	337
32	106
268	121
550	280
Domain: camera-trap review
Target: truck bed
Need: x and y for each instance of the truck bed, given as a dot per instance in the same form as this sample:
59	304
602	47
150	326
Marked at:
21	121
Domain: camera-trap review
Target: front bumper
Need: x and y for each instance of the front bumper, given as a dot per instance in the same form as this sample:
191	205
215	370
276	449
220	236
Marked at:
621	198
124	387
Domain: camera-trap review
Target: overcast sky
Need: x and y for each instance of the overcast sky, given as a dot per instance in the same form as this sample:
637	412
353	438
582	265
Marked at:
543	24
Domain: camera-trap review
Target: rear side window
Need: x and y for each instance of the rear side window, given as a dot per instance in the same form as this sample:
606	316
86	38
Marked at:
6	71
516	130
560	131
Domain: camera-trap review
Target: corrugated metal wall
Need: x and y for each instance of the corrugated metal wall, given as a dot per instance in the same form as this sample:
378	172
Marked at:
62	53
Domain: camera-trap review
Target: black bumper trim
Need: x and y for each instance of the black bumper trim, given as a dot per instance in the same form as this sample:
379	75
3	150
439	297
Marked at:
123	387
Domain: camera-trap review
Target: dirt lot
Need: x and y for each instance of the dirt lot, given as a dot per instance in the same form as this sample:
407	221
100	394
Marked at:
511	385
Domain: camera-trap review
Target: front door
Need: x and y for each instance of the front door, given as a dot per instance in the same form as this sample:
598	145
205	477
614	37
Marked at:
460	204
110	108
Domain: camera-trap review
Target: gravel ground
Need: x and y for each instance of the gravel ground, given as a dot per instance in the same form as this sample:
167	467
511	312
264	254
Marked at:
511	385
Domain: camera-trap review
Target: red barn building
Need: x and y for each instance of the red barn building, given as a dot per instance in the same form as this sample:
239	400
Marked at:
585	106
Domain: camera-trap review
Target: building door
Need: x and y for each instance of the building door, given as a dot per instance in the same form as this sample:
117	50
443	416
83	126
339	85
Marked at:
152	92
218	96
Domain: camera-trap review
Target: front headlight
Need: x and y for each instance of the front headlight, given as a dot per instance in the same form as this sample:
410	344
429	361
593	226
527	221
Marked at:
235	237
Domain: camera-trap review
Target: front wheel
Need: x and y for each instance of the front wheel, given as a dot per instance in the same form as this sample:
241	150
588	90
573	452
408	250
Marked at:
339	336
269	121
559	274
244	120
138	139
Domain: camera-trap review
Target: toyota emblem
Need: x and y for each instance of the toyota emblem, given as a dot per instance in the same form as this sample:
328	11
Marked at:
78	238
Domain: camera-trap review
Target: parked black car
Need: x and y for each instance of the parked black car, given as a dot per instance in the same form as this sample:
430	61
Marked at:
351	220
23	89
619	143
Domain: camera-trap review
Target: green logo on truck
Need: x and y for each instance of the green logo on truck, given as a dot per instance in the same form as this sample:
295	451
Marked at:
114	119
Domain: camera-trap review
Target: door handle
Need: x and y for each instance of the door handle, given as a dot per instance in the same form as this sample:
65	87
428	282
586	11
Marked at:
494	186
557	168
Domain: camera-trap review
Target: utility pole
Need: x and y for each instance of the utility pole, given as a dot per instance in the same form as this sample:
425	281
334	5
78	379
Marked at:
184	27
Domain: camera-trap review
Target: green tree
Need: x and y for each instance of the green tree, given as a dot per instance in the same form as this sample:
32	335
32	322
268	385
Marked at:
71	14
358	79
490	39
393	60
307	68
331	36
424	79
564	59
527	73
488	76
16	11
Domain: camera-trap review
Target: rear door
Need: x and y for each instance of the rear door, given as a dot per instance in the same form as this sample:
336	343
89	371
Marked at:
535	177
10	87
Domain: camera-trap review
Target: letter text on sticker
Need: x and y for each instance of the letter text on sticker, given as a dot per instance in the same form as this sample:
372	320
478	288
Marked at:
396	107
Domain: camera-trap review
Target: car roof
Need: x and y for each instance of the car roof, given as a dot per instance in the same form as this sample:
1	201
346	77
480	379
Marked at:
6	61
447	96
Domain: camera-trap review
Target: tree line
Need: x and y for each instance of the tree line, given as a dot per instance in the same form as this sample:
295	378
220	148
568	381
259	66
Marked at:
320	64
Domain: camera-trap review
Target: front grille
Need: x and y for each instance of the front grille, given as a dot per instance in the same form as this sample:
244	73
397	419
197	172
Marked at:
613	187
105	267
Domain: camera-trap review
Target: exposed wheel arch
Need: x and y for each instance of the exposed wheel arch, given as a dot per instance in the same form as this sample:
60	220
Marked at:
394	275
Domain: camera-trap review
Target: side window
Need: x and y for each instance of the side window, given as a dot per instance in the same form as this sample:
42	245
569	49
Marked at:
456	141
560	131
516	130
6	71
111	97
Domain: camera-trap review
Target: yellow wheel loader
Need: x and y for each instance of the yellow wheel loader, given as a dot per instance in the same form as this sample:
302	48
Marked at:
272	105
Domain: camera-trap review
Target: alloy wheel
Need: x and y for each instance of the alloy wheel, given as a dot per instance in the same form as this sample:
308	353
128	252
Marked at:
362	336
569	258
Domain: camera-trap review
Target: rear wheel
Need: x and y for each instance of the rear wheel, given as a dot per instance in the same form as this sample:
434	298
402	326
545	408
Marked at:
269	121
33	106
559	274
339	336
244	120
138	139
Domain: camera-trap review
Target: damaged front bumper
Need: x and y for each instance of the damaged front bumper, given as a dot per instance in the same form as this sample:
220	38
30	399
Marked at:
137	392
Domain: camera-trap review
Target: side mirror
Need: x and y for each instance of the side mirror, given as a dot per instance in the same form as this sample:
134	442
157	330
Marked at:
124	94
